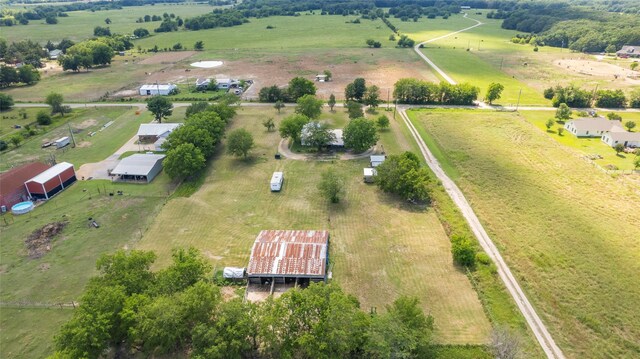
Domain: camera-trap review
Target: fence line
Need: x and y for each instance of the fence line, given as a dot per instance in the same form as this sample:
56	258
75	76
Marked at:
609	172
30	304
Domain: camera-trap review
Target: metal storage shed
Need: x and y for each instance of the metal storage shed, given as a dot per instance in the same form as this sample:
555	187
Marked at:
138	168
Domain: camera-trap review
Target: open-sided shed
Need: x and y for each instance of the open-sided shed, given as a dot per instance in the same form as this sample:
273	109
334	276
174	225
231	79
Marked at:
287	256
138	168
51	181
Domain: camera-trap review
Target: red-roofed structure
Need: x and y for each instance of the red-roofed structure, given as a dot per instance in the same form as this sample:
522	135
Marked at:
12	188
286	256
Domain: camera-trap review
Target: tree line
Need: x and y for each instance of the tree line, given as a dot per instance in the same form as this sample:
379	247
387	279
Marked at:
128	309
574	96
414	91
94	52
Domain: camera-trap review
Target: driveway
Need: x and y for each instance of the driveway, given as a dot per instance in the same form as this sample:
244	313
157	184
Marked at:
99	170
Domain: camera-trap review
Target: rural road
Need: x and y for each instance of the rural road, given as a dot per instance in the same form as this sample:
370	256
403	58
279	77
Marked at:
533	320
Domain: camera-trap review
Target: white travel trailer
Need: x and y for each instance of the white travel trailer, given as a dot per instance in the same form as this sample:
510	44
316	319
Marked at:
276	181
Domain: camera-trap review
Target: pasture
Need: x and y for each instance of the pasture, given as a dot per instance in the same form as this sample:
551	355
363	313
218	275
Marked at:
83	122
380	247
568	231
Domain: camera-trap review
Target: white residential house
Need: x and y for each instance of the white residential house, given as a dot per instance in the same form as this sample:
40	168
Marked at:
628	139
157	89
202	84
54	54
225	84
592	127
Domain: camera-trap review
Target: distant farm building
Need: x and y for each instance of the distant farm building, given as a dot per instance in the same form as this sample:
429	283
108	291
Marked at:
51	181
152	132
627	139
628	51
12	188
592	127
157	89
202	84
138	168
54	54
226	84
288	257
376	160
321	78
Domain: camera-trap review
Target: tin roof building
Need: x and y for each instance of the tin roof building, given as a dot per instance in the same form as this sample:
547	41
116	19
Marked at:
12	188
138	168
286	256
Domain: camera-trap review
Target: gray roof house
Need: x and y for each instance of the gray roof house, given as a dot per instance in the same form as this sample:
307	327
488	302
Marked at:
627	139
628	51
592	127
138	168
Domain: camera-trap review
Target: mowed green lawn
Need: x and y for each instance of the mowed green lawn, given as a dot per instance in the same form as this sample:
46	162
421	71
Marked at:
28	333
451	55
568	231
380	248
79	25
88	148
586	146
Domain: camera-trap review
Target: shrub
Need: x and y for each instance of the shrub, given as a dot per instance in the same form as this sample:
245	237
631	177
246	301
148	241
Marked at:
464	253
43	118
483	258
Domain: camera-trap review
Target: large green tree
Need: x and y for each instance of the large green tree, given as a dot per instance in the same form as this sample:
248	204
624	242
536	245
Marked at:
331	186
160	106
360	134
310	106
372	96
404	175
195	135
299	86
494	92
239	142
291	126
6	102
55	100
185	160
354	109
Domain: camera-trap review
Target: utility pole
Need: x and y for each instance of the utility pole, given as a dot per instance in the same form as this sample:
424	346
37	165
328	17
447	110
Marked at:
593	95
388	98
501	62
71	133
518	104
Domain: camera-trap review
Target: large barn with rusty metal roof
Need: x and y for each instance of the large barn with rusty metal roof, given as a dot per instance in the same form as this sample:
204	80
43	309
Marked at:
280	256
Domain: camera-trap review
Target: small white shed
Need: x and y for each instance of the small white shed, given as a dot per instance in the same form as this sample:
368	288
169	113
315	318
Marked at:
369	174
276	181
61	142
376	160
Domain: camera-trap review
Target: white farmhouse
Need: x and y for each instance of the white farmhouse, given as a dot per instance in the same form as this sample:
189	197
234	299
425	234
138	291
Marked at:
628	139
157	89
592	127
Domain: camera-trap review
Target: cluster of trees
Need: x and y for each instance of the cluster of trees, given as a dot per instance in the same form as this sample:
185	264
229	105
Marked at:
151	18
373	43
298	87
190	145
574	96
358	91
128	309
216	18
10	76
414	91
169	24
404	175
563	24
413	12
50	13
24	51
405	41
95	52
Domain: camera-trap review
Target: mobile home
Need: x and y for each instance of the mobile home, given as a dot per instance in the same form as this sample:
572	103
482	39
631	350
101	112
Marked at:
61	142
276	181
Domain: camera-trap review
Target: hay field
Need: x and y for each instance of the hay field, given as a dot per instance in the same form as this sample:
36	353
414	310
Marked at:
569	232
380	248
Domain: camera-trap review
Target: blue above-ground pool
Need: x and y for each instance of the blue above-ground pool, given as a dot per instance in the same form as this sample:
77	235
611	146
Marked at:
22	207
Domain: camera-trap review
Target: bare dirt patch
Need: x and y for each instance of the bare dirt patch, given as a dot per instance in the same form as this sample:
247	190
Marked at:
39	242
83	144
44	267
599	69
167	57
86	124
228	293
50	68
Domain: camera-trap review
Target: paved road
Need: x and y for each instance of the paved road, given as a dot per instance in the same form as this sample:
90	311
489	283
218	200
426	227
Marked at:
533	320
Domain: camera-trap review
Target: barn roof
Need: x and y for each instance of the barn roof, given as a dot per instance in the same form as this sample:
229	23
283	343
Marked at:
16	177
289	253
50	173
138	164
158	87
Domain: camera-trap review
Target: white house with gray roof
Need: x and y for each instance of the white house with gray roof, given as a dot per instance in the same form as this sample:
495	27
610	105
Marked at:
592	127
627	139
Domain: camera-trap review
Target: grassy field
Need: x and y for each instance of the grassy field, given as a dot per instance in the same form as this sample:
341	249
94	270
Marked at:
83	121
28	333
61	274
586	146
380	247
568	231
79	24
